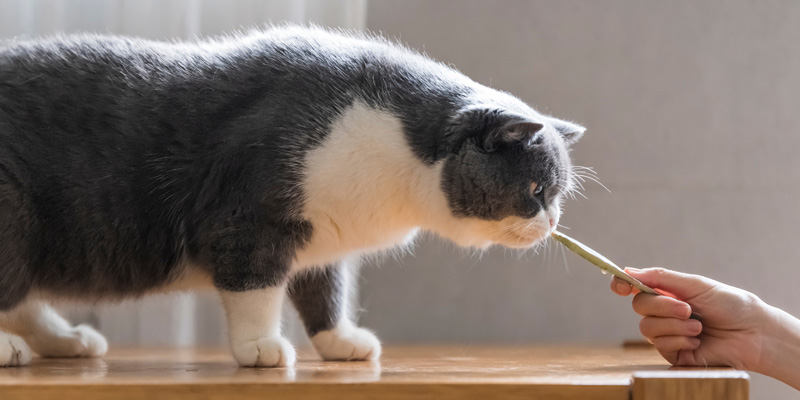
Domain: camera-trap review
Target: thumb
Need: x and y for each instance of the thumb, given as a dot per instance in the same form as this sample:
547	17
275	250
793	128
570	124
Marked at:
682	286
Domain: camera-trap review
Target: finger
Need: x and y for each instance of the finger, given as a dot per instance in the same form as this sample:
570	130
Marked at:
620	287
683	286
660	306
670	346
655	327
690	358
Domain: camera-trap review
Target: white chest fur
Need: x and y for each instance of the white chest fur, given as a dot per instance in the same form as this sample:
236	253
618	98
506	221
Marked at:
364	188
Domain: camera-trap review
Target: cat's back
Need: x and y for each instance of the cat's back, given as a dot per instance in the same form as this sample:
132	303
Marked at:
275	50
91	55
85	72
100	71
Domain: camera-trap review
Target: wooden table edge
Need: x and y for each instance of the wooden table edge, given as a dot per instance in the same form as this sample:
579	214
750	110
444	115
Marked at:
690	384
306	390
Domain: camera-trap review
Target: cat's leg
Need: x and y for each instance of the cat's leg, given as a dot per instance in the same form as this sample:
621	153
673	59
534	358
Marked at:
252	255
50	335
14	351
251	261
254	327
321	298
15	272
16	275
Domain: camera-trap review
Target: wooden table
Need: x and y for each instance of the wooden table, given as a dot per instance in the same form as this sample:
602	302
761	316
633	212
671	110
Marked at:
403	373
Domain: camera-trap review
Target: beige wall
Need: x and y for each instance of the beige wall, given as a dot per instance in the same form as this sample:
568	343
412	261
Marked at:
693	110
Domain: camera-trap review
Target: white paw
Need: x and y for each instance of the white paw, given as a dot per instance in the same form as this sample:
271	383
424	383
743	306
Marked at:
79	341
265	352
348	343
13	351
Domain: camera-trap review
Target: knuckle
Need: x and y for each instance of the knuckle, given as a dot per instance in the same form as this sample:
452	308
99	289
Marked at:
637	300
664	344
641	303
750	300
662	347
646	327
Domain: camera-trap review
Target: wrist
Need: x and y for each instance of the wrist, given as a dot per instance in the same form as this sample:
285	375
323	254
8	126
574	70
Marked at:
780	347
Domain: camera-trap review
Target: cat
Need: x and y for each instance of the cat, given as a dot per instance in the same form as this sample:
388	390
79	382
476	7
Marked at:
260	165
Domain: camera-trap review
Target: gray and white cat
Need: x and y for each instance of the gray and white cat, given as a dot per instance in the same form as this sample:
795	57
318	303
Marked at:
259	165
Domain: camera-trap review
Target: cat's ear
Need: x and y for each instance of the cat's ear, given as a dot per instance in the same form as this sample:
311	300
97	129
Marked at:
491	128
570	131
518	129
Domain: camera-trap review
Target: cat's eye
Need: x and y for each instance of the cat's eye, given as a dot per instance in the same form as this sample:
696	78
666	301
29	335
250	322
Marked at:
536	188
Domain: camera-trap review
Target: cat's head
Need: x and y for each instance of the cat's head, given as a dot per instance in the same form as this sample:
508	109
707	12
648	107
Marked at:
506	174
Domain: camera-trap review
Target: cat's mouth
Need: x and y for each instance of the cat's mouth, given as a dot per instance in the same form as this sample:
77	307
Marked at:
522	233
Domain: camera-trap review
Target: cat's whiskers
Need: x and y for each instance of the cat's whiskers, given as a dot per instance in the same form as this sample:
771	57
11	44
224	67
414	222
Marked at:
545	249
580	175
564	256
574	190
510	227
589	170
578	179
526	252
528	225
571	187
511	234
598	182
584	170
511	231
583	174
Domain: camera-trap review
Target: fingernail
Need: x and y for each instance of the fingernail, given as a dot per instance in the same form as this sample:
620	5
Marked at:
683	311
695	326
633	270
694	341
621	287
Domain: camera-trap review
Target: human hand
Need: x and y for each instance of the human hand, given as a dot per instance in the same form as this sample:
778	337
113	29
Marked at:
730	329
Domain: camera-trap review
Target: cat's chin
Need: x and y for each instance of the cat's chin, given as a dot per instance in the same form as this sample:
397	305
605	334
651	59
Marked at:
522	242
521	245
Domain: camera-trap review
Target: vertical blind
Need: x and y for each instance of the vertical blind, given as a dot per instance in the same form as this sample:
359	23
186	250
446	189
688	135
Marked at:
165	19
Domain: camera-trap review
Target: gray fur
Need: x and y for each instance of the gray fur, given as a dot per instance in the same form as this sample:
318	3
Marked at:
121	158
319	297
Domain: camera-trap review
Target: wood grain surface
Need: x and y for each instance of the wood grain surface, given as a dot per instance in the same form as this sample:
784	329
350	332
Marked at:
449	372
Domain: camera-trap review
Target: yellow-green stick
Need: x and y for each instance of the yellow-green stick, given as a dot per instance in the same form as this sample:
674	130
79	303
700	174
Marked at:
597	259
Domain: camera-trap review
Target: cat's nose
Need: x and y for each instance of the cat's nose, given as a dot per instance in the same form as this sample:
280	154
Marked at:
552	222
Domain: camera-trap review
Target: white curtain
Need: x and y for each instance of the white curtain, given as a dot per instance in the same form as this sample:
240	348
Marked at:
179	319
164	19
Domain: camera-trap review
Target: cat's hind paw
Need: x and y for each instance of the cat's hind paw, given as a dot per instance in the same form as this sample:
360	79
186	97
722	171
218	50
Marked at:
79	341
347	343
14	351
265	352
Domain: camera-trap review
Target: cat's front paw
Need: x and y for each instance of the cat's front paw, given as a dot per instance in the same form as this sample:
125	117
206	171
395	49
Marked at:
80	341
347	343
13	351
265	352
